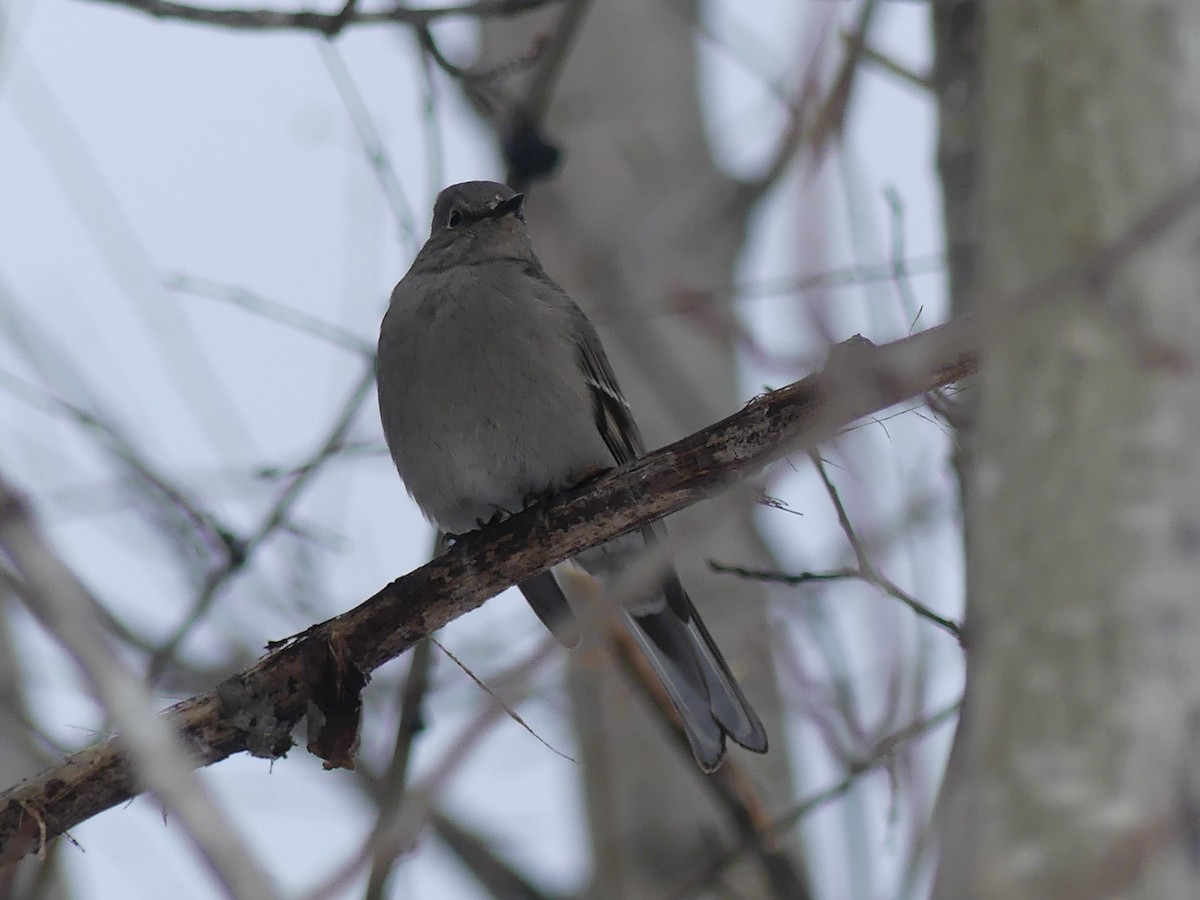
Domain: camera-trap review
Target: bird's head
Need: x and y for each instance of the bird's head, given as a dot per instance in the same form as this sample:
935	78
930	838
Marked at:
478	220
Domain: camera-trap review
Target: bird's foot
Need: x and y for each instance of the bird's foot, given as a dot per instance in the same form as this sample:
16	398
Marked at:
498	515
538	498
590	474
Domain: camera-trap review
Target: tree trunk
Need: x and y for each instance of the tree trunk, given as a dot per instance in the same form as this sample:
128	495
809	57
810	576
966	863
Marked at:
957	82
637	217
1074	769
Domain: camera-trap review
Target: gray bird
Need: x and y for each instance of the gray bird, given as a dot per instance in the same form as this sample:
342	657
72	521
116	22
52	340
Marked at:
494	389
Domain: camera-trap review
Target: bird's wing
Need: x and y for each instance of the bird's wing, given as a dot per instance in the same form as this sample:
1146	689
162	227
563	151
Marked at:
695	675
614	419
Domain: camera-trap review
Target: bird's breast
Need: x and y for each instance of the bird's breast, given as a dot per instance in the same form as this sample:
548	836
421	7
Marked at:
484	405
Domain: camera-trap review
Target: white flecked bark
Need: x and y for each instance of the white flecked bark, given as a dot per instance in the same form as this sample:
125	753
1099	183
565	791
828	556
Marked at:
1074	773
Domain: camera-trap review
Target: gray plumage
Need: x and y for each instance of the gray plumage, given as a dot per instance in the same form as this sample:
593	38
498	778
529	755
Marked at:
494	389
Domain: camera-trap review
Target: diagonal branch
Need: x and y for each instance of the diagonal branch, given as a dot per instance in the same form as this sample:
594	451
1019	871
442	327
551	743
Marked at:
866	568
878	757
325	23
731	786
496	875
241	551
256	710
394	784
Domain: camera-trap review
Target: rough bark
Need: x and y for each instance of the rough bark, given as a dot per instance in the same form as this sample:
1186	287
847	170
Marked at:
1074	770
957	38
639	217
32	879
957	83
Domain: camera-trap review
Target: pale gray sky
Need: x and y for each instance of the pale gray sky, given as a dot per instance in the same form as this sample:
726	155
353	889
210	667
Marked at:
132	150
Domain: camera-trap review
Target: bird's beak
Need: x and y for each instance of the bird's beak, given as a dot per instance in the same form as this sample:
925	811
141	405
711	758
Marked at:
510	207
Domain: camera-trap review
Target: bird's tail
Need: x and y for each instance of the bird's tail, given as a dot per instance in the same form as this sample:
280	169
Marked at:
548	601
697	679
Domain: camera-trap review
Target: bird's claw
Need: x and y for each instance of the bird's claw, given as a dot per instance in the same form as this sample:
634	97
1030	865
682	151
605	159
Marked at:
538	498
499	515
591	474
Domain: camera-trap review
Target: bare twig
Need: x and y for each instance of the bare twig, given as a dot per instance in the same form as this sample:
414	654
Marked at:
866	568
497	876
326	23
397	828
730	785
818	129
395	781
508	708
888	64
271	310
168	499
434	156
372	143
863	273
275	519
552	60
525	119
201	391
774	577
899	255
880	756
831	119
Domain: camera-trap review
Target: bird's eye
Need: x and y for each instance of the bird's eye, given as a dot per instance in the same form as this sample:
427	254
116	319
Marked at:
455	219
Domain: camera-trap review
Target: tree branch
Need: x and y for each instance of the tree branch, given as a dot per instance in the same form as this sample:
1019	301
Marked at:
730	785
62	604
880	755
394	784
501	880
325	23
320	672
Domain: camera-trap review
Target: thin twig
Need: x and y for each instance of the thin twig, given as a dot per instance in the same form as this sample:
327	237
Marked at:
862	273
372	144
272	310
899	253
326	23
496	875
730	785
772	576
274	520
398	827
551	61
166	498
888	64
817	129
512	713
867	569
880	756
395	781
